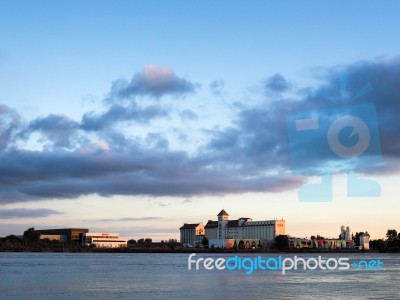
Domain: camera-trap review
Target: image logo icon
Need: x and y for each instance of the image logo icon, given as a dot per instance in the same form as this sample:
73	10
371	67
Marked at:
341	139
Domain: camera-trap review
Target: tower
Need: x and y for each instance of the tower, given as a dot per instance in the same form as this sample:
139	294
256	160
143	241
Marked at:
223	218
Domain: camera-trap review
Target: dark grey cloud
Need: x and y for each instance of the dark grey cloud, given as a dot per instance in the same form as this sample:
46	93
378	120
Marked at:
129	219
255	144
277	84
14	213
29	175
117	113
10	123
152	81
258	141
57	128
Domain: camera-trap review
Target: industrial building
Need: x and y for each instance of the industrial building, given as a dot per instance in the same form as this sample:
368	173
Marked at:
225	233
192	234
65	234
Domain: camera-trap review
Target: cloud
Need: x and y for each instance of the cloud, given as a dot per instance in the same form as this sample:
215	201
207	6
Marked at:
152	81
277	84
129	219
57	128
34	175
15	213
117	113
188	115
10	123
258	140
252	154
217	86
156	141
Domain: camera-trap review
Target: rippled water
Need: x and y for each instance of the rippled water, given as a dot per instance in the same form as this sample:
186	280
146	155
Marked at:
166	276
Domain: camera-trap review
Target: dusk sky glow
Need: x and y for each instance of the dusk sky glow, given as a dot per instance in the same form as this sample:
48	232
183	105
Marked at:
135	117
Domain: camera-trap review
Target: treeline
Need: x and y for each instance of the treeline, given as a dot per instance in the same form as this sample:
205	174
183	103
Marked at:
31	241
148	243
390	244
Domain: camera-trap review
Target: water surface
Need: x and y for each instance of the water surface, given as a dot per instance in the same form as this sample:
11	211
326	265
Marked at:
166	276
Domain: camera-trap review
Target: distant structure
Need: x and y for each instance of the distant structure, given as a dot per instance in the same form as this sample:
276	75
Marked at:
62	234
225	233
103	240
345	241
192	234
345	233
364	240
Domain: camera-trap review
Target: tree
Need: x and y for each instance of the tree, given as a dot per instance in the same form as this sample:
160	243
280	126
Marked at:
393	242
147	242
206	242
282	242
31	235
391	234
378	245
235	246
356	239
131	242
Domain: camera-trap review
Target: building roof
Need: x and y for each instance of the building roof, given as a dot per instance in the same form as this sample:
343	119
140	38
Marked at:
223	213
233	223
211	224
189	226
63	229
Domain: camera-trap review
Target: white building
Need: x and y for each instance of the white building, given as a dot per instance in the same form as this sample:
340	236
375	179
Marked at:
243	231
192	234
104	240
364	240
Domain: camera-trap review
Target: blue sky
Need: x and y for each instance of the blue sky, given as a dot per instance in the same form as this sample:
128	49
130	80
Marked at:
138	116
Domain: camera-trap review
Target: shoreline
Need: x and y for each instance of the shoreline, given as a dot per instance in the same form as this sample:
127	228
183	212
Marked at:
191	250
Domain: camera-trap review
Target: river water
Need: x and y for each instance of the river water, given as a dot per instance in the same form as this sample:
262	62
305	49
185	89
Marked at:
166	276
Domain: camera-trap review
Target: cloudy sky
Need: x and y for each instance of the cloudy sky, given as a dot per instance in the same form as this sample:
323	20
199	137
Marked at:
136	117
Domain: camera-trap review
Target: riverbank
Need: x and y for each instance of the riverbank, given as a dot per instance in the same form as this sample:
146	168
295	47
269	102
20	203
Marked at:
187	250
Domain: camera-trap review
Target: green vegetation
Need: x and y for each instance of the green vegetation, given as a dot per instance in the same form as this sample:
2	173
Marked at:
392	242
282	242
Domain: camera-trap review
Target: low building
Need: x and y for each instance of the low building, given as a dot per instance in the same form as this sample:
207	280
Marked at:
364	240
72	234
104	240
320	243
192	234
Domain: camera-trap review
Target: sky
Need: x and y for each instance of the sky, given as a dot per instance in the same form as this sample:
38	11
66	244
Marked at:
138	116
